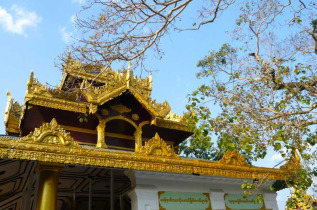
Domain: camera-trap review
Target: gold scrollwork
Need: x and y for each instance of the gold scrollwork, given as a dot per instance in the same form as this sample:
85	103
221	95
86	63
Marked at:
158	147
174	117
305	202
47	152
234	158
12	115
41	95
50	133
93	108
293	163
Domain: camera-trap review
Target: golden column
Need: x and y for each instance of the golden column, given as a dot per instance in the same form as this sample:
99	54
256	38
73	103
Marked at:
47	189
101	134
138	139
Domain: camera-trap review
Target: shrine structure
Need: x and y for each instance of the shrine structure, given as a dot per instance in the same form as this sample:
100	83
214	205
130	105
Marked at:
99	141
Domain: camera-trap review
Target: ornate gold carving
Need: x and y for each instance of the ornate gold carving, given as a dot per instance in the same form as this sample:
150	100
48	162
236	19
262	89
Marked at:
120	108
104	112
86	71
41	95
306	202
93	108
35	87
50	133
293	163
234	158
12	115
174	117
158	147
59	104
102	94
157	109
135	116
11	148
116	83
171	124
120	117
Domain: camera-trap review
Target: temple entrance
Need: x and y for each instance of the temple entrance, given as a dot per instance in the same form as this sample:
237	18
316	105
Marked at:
79	187
94	188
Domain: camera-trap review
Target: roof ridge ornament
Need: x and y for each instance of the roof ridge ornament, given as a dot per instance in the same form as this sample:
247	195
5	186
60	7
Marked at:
157	146
233	158
50	133
12	115
293	163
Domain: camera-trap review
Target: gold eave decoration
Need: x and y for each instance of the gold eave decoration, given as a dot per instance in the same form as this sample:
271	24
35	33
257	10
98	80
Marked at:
77	69
51	143
41	95
294	162
158	147
164	123
119	84
306	202
50	134
234	158
12	116
11	148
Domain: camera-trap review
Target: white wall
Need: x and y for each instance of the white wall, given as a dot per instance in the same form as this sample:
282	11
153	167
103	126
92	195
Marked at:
146	186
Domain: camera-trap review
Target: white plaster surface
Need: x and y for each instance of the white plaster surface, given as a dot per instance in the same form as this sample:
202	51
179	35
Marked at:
146	185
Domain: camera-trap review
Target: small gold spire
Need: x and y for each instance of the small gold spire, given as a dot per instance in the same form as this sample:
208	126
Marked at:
129	67
31	78
128	75
150	80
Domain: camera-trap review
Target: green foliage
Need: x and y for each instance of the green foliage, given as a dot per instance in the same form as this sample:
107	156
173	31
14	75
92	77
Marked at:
262	103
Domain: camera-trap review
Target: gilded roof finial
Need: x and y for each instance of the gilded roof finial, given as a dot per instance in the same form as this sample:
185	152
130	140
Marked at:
129	67
128	75
294	163
9	103
30	82
150	80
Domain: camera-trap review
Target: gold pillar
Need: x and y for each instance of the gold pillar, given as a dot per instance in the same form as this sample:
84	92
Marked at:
101	134
47	189
138	139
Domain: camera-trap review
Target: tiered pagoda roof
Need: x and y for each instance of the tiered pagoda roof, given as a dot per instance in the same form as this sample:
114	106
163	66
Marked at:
100	117
91	93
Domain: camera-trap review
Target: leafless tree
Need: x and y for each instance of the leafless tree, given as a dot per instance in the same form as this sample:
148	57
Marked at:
125	30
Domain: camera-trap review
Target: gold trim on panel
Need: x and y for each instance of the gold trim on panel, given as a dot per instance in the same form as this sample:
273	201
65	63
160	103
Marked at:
164	123
234	158
158	147
50	134
120	117
13	112
293	163
45	152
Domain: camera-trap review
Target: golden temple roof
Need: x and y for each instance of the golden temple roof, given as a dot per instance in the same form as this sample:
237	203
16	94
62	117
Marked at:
111	84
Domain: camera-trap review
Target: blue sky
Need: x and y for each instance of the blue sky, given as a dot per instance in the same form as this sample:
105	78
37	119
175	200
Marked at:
33	33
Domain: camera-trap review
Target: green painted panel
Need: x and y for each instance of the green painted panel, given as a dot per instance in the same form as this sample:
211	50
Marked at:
236	201
183	201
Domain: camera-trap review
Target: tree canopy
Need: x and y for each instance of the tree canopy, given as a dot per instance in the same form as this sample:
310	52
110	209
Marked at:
264	82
